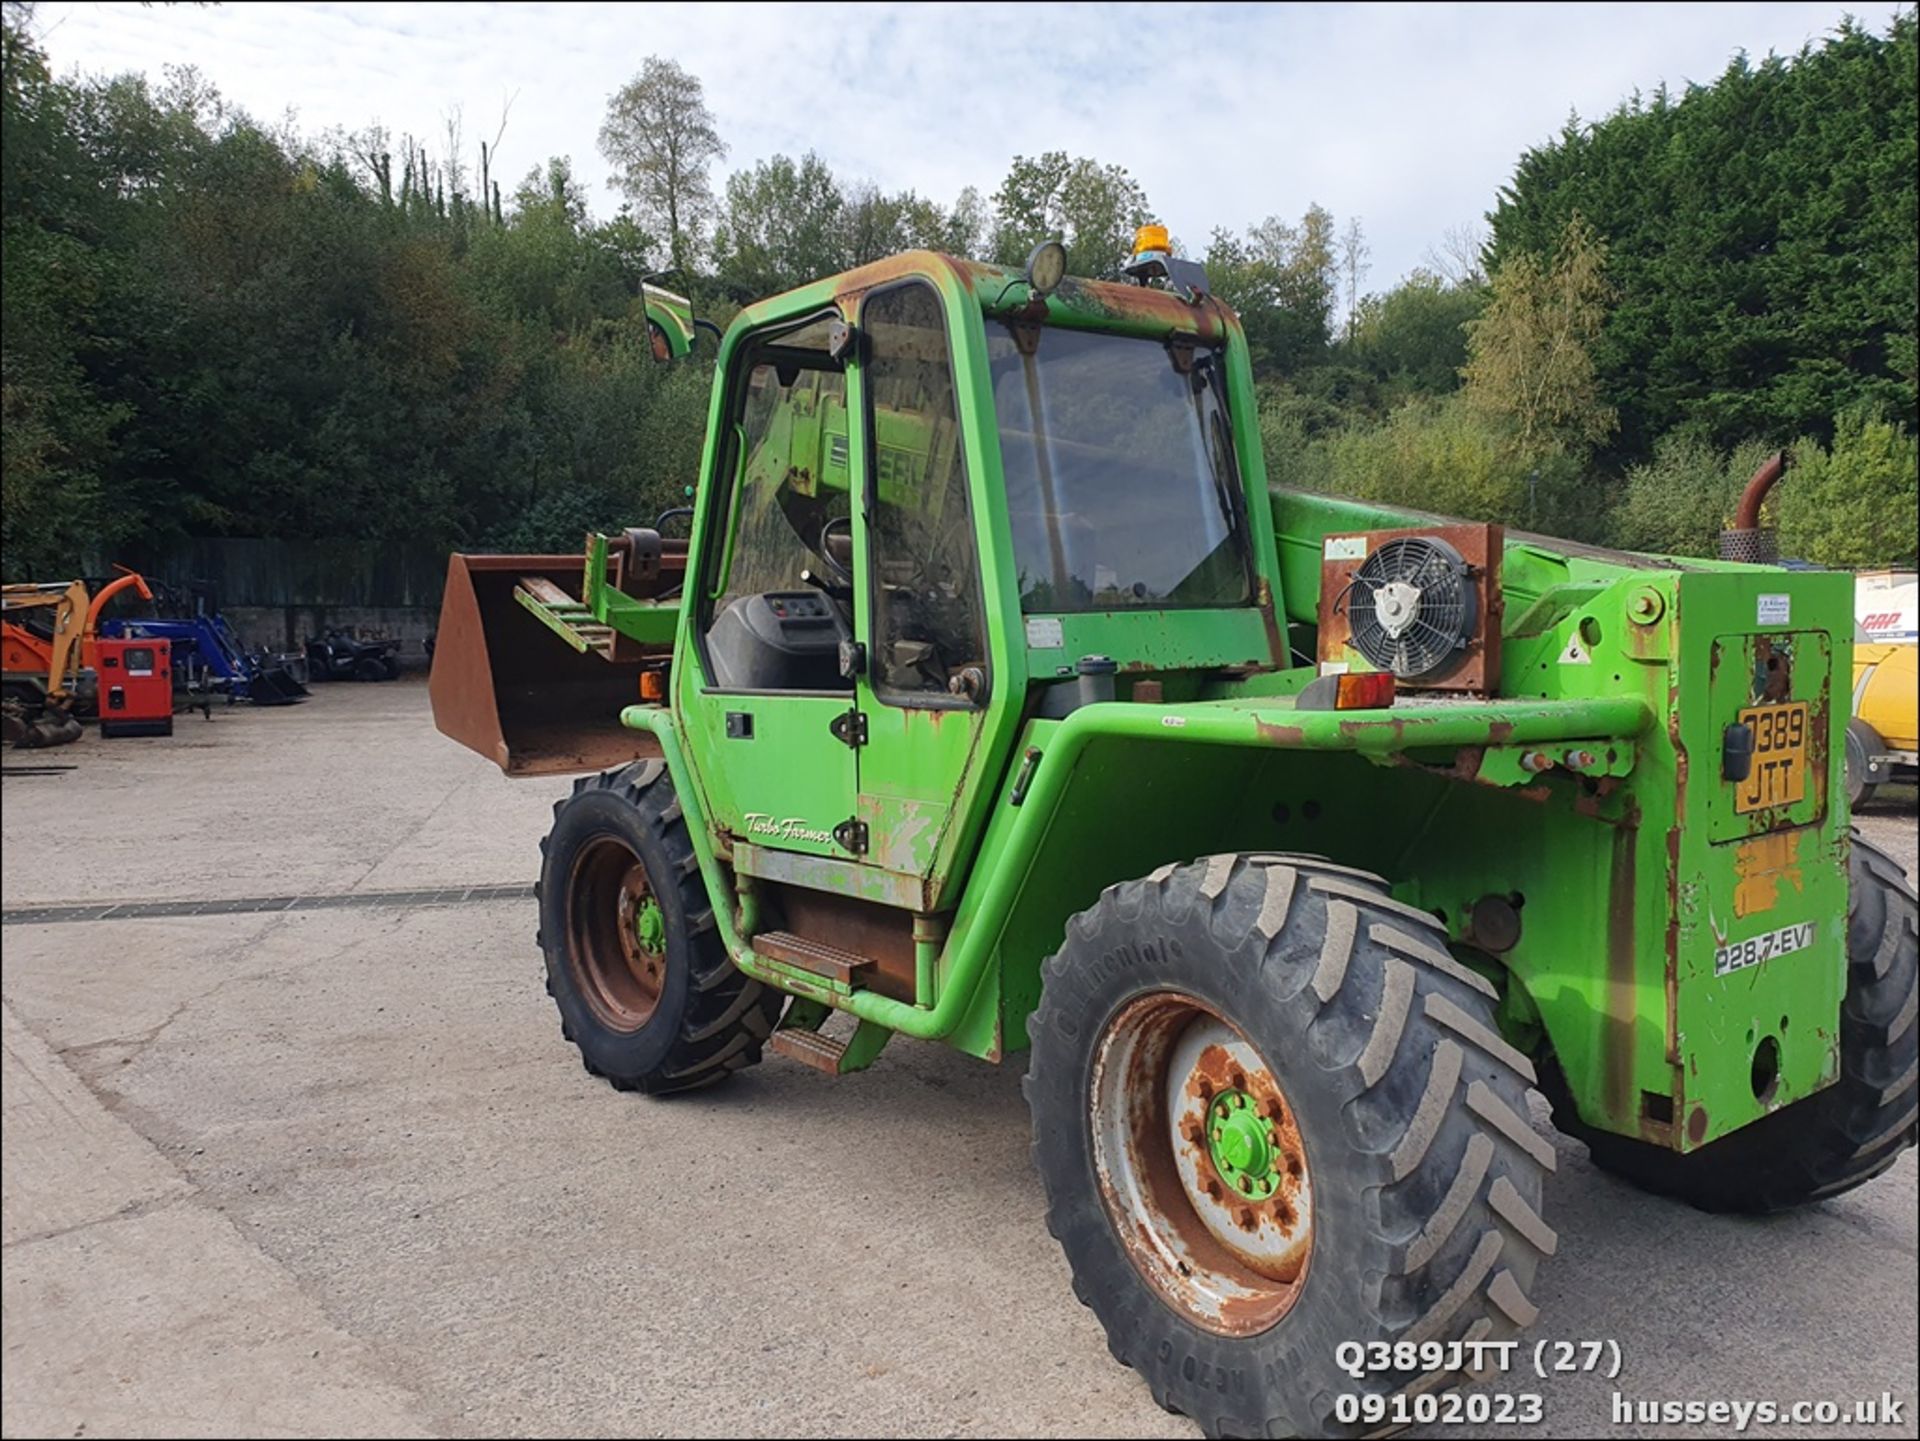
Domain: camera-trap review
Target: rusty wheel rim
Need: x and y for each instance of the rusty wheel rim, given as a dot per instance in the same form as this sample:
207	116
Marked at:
1201	1165
615	943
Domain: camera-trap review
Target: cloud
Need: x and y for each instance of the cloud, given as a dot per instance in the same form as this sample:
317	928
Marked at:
1410	117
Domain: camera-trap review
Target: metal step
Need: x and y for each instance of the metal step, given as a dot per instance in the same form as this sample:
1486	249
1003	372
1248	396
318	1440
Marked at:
809	1048
814	956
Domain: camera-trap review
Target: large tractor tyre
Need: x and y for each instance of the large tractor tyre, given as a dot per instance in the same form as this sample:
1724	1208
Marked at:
1862	741
643	983
1839	1137
1272	1114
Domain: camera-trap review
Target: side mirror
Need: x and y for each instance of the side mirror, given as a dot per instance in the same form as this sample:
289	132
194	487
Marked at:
670	322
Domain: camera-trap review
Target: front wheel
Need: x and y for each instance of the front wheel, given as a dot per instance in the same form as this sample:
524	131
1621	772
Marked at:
643	983
1272	1114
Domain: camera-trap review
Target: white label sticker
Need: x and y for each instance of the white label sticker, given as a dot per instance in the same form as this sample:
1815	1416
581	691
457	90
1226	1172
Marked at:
1346	547
1334	667
1741	954
1043	633
1775	610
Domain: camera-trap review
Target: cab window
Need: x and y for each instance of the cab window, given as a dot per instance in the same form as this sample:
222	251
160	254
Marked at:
778	593
929	645
1120	479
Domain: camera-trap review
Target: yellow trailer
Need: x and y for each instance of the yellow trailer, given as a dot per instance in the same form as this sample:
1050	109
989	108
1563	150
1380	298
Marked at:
1883	739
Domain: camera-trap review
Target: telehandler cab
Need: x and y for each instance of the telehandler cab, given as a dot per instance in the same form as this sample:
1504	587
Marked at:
994	699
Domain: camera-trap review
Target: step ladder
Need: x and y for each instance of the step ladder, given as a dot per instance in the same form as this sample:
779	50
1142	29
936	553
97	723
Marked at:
798	1037
809	1048
564	616
816	957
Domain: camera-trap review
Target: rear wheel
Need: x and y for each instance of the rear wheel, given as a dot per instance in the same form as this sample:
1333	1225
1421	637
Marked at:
1839	1137
1862	741
1272	1114
644	986
368	668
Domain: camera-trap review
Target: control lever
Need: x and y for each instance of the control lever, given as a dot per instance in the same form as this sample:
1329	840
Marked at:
853	655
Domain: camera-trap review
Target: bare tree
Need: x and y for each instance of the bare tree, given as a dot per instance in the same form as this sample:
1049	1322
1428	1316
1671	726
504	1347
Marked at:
1354	251
1456	258
489	157
660	138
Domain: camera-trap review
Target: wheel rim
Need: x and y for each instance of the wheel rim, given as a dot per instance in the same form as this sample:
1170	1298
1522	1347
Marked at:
616	934
1201	1165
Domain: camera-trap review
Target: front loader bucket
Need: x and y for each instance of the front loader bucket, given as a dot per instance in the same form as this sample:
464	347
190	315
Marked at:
505	685
54	726
275	685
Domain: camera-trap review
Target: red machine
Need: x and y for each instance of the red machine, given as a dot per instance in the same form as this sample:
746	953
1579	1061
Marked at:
136	687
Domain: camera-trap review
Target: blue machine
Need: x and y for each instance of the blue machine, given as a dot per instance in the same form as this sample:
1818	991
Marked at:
208	655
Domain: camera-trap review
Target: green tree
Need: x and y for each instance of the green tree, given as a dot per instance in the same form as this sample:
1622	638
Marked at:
1529	358
1857	503
1413	339
1282	280
1093	209
780	225
660	138
1760	235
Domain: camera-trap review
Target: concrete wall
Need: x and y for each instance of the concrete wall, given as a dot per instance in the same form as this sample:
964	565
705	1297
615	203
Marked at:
277	593
286	627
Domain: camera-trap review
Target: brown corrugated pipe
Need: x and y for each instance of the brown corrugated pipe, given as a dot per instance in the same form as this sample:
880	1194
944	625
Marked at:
1747	516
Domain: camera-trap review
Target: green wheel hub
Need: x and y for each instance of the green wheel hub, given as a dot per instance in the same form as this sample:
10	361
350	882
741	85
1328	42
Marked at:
1244	1145
649	926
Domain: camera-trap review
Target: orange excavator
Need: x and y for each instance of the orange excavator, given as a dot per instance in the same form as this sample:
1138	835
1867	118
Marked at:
45	665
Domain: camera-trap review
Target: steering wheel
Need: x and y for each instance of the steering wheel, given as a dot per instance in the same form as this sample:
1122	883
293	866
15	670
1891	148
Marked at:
832	548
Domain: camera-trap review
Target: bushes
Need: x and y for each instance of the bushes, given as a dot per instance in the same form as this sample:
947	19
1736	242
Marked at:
1851	506
1858	504
1439	456
1679	502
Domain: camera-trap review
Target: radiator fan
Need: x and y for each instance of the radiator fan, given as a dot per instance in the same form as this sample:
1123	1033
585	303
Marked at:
1413	607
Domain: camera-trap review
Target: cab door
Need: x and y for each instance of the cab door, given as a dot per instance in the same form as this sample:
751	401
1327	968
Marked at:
767	701
925	688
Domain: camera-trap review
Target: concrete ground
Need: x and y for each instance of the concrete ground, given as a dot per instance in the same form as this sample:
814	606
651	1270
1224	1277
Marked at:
332	1171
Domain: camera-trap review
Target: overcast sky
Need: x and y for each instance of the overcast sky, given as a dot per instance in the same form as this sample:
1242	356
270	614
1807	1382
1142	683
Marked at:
1410	117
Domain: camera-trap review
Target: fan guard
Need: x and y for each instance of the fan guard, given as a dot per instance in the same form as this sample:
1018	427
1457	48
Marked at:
1412	607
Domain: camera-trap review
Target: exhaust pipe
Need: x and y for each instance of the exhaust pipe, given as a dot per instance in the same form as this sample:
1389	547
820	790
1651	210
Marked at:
1745	540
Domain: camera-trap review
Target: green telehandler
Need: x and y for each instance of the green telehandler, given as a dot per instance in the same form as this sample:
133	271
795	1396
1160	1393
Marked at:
995	699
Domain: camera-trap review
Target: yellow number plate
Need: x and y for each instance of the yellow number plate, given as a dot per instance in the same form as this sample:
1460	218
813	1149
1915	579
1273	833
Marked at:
1779	775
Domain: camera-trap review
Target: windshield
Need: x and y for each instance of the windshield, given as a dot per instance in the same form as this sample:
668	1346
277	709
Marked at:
1121	487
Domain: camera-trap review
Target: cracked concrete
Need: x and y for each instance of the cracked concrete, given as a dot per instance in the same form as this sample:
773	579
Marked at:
334	1172
132	1308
